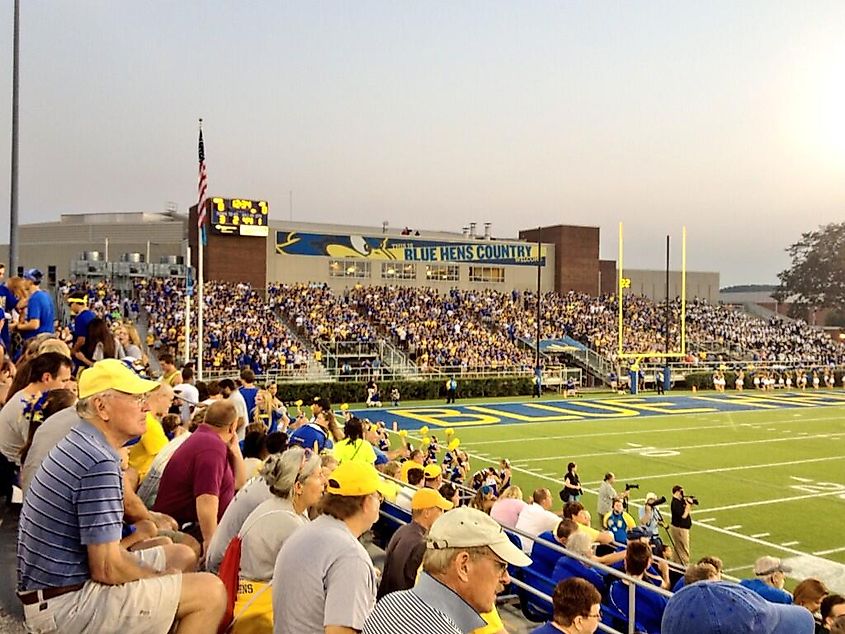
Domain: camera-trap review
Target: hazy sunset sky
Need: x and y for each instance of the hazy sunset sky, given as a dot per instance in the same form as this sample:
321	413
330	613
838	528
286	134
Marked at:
728	117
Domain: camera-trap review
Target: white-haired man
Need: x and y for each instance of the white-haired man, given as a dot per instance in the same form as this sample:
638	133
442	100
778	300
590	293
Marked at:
73	575
465	566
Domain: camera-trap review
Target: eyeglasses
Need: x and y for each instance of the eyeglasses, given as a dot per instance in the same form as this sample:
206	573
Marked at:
501	566
138	399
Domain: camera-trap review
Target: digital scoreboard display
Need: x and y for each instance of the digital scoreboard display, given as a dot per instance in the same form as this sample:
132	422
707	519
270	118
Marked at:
239	217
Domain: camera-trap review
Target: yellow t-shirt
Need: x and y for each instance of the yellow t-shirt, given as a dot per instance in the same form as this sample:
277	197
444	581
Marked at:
143	452
358	451
494	623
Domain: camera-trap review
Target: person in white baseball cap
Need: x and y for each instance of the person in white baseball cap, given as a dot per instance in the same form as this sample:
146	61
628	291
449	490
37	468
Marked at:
465	566
769	581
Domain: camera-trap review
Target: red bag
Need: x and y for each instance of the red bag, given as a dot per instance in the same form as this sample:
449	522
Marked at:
229	572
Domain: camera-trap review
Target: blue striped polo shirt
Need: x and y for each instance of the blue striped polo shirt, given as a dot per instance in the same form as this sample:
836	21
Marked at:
75	499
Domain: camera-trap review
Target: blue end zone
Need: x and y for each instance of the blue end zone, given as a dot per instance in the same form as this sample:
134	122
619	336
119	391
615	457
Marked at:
601	409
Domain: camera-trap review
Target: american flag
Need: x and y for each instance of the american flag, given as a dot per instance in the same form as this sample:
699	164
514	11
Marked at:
201	190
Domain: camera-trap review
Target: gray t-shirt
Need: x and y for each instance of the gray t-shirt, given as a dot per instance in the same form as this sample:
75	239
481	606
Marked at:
263	534
14	427
323	576
247	499
46	437
240	407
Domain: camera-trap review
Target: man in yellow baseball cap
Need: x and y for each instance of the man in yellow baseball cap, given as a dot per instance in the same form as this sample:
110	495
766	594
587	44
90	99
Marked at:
323	577
404	553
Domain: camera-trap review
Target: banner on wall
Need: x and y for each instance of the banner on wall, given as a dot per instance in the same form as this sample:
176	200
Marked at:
404	249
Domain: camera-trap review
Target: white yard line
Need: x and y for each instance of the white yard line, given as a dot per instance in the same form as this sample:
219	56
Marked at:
640	432
793	498
657	476
759	441
722	531
733	527
794	543
830	551
759	535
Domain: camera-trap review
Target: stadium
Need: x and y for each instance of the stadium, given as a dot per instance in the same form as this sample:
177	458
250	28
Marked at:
540	396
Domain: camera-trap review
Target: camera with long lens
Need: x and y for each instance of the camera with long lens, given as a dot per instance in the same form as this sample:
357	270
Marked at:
628	487
691	499
657	502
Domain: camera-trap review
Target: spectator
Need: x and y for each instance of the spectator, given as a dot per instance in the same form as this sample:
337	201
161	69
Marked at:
248	390
55	427
315	435
202	476
701	572
324	580
187	393
245	502
230	391
577	609
832	608
40	313
649	604
354	446
170	373
433	475
508	506
71	568
536	518
809	594
618	522
415	476
45	372
416	459
82	317
577	512
580	544
297	484
769	580
715	607
404	553
142	453
467	555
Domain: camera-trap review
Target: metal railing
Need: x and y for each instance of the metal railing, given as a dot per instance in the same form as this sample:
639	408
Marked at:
633	583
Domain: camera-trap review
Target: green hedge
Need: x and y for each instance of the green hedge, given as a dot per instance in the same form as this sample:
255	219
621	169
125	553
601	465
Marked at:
356	391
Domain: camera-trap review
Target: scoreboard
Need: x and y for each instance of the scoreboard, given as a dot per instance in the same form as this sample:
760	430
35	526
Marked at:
239	217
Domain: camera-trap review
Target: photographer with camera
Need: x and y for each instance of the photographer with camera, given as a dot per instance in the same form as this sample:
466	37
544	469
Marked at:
607	493
681	523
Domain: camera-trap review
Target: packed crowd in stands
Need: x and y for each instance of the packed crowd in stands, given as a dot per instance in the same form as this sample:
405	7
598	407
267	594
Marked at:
465	329
152	504
240	327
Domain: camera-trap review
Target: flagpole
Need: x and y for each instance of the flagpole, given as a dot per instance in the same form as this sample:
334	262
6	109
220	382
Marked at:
200	304
188	292
202	204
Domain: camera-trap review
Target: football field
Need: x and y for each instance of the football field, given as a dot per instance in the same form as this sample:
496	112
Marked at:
768	468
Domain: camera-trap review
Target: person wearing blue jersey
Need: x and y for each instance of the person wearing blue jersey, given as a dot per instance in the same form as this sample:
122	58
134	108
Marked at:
249	391
82	318
40	314
315	434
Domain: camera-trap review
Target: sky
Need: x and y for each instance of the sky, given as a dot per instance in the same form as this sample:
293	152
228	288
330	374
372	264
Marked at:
726	117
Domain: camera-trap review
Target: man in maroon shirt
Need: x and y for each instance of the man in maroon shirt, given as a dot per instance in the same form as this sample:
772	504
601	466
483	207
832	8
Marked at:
203	474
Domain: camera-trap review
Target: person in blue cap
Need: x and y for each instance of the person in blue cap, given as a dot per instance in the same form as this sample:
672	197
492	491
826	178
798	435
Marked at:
715	607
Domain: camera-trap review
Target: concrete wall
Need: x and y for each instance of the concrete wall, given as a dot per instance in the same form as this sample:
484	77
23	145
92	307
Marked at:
652	284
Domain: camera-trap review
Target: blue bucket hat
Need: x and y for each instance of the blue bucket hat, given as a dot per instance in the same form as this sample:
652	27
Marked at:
723	607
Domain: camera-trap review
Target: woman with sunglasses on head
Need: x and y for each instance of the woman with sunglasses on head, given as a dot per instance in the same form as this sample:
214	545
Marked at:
296	481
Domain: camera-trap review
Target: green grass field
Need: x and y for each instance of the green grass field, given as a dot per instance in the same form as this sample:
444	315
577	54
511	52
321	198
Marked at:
770	482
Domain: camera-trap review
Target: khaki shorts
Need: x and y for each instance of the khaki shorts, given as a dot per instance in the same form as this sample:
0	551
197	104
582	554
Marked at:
146	605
